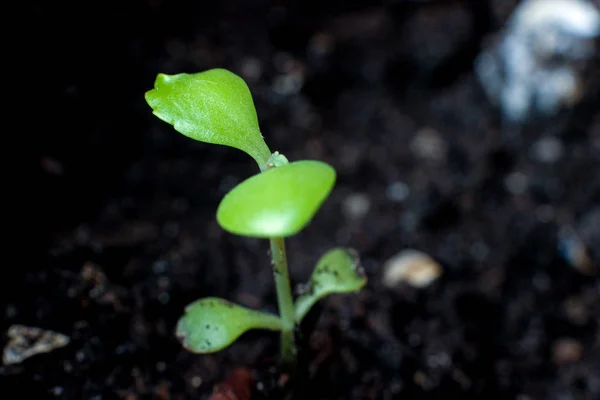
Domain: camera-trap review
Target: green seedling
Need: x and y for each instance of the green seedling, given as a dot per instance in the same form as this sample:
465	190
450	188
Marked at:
216	107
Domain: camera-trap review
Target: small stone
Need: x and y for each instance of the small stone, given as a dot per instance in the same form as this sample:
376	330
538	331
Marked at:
287	85
320	46
163	298
423	381
428	144
566	351
479	250
251	69
438	360
67	367
163	282
196	382
356	205
419	378
574	251
398	192
576	310
516	183
25	342
291	79
160	267
411	266
57	390
10	311
547	150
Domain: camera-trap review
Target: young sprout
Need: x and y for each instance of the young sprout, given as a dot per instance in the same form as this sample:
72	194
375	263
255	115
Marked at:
216	107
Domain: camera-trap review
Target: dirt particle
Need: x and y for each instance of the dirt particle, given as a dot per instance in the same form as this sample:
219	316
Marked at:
547	150
420	378
545	213
161	366
576	310
461	378
252	69
57	390
574	251
566	351
516	183
164	297
196	381
398	192
428	144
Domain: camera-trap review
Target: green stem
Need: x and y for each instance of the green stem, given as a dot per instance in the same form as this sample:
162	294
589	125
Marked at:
285	300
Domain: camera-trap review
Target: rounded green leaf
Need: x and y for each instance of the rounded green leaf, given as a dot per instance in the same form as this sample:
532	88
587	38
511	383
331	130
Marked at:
213	106
278	202
212	324
338	271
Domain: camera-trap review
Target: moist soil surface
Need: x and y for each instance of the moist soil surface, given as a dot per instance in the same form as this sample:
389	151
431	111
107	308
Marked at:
116	228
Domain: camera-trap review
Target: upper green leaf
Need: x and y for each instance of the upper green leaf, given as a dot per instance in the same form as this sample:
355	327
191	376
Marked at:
212	324
278	202
213	106
338	271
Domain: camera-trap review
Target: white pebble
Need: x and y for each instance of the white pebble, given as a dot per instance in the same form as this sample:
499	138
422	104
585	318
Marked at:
534	66
356	205
411	266
578	17
428	144
196	382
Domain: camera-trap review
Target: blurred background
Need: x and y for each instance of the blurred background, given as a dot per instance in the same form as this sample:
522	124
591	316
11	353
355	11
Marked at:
466	136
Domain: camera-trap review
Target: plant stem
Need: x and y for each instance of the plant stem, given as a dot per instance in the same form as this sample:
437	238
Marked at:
285	300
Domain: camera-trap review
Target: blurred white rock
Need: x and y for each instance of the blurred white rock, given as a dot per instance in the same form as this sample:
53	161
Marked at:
356	206
411	266
536	63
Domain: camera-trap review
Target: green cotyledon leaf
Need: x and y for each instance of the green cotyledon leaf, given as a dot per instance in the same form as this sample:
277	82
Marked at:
338	271
278	202
211	324
213	106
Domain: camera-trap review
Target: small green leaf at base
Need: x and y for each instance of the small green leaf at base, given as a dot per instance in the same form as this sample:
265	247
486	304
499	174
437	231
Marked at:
338	271
211	324
213	106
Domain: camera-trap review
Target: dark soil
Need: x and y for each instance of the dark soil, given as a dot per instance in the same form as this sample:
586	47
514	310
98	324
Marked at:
116	231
